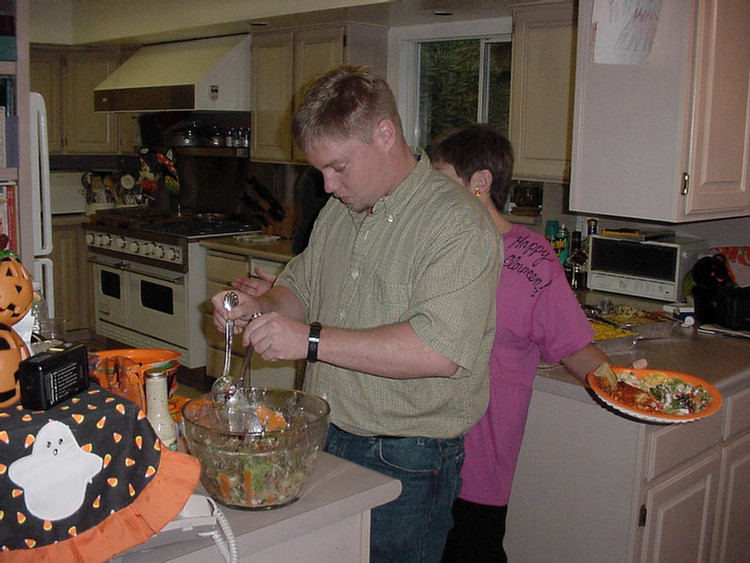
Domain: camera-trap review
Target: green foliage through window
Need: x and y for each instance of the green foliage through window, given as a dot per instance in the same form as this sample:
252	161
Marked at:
452	74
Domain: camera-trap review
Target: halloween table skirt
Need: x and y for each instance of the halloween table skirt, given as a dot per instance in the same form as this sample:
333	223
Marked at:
85	480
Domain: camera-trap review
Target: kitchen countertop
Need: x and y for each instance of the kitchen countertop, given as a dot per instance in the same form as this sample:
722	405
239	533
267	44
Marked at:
337	490
719	360
279	251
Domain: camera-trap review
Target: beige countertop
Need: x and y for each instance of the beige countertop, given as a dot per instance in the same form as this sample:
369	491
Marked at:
337	490
279	250
723	361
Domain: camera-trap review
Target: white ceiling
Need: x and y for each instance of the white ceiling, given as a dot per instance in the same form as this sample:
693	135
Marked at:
148	21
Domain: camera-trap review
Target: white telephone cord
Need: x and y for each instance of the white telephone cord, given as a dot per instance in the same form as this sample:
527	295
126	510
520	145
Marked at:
223	536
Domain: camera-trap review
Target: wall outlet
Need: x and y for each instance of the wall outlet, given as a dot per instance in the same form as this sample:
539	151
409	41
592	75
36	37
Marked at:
581	224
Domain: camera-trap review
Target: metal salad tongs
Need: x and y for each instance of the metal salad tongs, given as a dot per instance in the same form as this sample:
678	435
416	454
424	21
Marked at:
221	390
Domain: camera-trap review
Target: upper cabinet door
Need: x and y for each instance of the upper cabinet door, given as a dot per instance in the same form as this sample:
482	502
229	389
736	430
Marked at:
541	109
272	88
284	62
666	139
720	138
46	78
85	130
315	52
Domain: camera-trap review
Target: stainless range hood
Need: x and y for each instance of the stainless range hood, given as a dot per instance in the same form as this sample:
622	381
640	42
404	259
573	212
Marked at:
203	74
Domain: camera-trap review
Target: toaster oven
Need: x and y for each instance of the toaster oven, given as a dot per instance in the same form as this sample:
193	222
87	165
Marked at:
653	269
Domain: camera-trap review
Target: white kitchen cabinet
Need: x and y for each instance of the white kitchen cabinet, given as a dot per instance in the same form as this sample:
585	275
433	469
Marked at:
541	111
221	269
283	62
667	139
732	542
679	513
66	79
594	485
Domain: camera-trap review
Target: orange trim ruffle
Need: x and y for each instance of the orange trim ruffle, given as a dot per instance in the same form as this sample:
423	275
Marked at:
157	504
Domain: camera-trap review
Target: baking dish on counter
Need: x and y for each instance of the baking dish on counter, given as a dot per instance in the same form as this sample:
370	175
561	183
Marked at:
613	337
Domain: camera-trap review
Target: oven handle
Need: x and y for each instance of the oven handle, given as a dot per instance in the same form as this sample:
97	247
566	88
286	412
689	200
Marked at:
125	267
179	280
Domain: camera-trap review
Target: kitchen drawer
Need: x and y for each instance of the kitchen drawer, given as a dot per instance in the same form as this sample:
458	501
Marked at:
737	409
262	373
223	267
215	338
674	444
212	288
267	265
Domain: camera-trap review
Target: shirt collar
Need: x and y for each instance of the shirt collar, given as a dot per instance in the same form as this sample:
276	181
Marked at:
390	206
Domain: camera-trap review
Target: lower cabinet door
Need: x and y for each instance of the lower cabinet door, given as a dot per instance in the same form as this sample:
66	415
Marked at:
732	538
680	515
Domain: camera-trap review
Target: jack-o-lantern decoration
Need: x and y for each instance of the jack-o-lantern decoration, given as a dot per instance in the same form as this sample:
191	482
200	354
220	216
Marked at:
12	351
16	297
16	290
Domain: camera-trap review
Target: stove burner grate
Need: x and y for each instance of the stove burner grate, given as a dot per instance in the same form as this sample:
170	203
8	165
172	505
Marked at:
192	228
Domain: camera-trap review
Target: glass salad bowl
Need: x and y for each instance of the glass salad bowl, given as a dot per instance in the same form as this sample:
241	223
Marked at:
267	466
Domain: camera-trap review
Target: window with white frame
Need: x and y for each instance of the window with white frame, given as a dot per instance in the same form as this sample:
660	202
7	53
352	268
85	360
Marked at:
453	75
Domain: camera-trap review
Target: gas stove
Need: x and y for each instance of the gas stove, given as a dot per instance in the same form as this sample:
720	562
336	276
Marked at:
150	278
156	237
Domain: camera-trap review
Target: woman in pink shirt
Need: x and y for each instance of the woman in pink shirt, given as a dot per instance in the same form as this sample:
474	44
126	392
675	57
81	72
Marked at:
537	315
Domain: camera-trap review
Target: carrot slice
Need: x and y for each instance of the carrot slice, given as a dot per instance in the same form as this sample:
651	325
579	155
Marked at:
269	418
224	485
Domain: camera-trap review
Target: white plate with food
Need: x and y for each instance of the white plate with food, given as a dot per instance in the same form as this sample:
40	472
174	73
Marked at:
655	395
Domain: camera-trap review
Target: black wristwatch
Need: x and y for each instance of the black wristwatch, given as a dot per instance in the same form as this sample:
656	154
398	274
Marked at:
312	342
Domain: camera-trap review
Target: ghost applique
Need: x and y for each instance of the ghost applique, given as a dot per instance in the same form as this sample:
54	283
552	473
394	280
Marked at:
55	476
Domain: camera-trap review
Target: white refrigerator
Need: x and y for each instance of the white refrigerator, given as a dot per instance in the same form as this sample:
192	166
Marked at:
40	199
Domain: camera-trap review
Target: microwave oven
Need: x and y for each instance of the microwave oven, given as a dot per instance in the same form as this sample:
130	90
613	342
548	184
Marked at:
653	269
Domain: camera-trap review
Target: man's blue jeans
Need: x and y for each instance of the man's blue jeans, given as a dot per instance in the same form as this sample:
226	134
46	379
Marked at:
412	528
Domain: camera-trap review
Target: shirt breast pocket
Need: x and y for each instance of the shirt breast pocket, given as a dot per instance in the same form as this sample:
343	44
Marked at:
391	298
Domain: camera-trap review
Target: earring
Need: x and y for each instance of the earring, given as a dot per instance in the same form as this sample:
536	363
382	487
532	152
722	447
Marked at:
477	192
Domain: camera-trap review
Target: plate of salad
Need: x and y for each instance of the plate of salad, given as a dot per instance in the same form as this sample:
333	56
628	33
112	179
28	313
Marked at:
655	395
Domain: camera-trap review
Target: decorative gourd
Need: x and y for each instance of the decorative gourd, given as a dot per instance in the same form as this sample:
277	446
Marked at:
16	296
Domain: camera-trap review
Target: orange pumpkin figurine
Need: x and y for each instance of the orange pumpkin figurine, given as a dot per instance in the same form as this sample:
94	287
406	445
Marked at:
16	296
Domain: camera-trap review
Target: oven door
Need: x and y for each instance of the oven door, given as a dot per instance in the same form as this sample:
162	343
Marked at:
110	292
158	303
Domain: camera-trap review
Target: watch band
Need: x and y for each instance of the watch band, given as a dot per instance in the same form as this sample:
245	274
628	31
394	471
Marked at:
312	342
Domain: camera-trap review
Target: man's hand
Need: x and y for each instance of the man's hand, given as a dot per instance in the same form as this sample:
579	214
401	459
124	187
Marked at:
255	286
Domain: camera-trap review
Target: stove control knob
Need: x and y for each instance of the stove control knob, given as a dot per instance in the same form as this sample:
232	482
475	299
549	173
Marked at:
121	242
135	247
148	248
159	251
172	254
106	240
90	238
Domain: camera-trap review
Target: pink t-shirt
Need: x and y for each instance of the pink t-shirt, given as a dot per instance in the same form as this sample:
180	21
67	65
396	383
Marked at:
537	314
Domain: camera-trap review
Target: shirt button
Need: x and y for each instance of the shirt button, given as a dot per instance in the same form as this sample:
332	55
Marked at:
355	274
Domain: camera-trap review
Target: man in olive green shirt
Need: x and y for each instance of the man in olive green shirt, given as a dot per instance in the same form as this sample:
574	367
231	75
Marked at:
398	283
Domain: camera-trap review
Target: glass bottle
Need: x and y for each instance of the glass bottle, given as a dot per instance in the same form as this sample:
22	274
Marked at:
157	407
39	310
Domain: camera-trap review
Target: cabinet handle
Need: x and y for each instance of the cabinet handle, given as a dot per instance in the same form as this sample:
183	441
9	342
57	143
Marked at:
685	183
642	513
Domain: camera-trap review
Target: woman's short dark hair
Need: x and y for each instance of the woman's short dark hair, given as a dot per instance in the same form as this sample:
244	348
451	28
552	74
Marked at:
477	147
344	103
